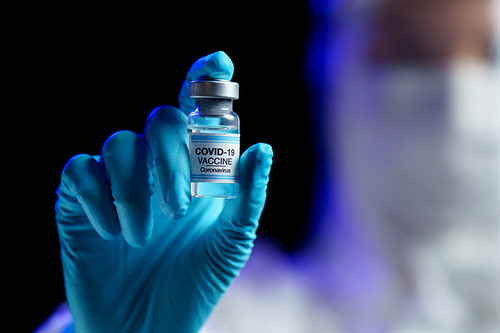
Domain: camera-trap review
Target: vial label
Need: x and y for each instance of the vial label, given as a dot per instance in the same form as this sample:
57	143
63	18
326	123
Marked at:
214	157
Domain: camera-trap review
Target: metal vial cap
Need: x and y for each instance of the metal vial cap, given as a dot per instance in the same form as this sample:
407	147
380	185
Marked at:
213	88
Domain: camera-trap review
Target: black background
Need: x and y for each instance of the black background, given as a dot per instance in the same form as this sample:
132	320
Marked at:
81	73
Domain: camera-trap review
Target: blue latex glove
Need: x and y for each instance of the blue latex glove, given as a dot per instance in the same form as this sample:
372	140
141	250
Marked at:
138	253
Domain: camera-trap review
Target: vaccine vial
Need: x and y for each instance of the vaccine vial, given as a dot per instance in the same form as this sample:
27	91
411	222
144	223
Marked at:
214	139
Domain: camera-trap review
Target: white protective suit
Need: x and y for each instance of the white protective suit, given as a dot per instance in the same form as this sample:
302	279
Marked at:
410	241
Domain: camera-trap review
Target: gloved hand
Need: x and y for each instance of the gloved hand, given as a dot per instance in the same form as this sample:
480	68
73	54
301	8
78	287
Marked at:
138	253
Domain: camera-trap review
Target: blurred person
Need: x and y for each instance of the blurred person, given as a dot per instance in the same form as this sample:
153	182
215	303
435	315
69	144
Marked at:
407	234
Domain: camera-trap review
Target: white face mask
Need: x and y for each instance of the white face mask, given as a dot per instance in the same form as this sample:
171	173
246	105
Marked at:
421	147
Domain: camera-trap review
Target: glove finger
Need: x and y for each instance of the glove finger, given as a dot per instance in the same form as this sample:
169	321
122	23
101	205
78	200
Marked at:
125	158
166	134
217	65
243	213
230	242
83	179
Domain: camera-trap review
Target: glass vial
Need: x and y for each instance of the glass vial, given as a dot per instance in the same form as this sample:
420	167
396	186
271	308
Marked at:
214	139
